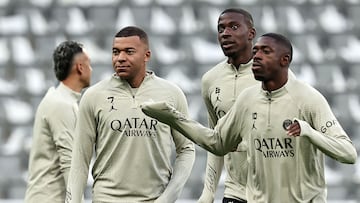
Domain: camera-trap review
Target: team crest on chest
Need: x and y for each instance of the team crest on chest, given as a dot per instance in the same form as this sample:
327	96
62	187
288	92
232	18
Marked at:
287	123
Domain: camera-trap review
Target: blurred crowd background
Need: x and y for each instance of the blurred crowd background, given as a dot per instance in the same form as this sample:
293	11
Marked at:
183	38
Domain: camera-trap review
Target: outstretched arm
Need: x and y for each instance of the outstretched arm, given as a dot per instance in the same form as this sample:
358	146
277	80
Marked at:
220	140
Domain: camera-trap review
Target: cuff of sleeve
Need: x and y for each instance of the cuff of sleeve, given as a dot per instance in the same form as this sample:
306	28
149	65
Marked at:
206	197
305	128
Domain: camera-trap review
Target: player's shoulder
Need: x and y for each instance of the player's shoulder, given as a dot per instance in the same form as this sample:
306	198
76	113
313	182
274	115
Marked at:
54	100
251	91
215	71
249	96
54	95
99	86
48	98
165	85
298	85
304	92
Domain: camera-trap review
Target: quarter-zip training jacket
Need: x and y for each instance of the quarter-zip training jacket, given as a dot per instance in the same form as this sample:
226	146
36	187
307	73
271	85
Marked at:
51	147
221	85
133	152
282	168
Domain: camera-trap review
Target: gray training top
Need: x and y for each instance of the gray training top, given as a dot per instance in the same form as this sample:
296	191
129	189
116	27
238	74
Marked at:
282	168
220	87
132	151
50	154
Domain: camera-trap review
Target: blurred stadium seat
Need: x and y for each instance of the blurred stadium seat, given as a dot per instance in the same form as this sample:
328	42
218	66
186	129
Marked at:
183	40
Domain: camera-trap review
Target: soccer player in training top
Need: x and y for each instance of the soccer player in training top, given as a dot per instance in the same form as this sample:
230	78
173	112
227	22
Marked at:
220	87
291	128
54	125
132	151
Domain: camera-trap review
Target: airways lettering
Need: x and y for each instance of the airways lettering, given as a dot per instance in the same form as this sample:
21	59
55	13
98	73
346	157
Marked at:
139	133
278	154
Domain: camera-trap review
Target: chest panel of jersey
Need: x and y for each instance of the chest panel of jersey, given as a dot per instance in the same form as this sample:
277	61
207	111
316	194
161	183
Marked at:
276	158
128	134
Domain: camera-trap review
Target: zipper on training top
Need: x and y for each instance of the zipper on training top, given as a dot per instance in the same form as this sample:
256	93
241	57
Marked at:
133	92
235	81
268	94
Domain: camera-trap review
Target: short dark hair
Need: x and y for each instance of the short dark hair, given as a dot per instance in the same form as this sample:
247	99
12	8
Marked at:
133	31
248	17
63	58
281	39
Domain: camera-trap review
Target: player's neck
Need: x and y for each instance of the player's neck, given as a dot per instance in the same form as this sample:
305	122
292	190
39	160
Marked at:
236	61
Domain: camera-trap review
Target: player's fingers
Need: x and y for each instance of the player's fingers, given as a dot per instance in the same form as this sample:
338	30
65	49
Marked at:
294	129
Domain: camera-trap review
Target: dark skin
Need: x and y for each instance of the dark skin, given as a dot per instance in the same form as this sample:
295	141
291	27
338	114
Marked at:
235	37
271	64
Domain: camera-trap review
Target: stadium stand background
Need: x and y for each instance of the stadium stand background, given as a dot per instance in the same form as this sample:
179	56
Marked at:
325	34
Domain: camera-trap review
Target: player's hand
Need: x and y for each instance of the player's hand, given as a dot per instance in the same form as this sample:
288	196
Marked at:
293	129
162	111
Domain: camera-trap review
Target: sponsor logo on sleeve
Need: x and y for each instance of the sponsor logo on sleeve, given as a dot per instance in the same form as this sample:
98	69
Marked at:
328	124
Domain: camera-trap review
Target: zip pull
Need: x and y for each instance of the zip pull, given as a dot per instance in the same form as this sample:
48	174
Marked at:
268	95
135	104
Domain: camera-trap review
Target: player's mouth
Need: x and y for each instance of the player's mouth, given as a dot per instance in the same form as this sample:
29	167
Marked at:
121	68
227	44
256	66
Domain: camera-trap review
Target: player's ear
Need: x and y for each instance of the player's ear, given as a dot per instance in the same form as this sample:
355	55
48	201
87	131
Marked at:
252	33
147	55
285	60
79	67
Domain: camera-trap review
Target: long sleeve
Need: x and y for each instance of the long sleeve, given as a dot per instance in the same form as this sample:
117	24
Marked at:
185	157
63	127
182	169
51	151
327	134
220	140
214	164
82	152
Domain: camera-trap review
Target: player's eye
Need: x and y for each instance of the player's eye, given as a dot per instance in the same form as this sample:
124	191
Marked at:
221	29
266	51
254	51
234	27
115	52
130	51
